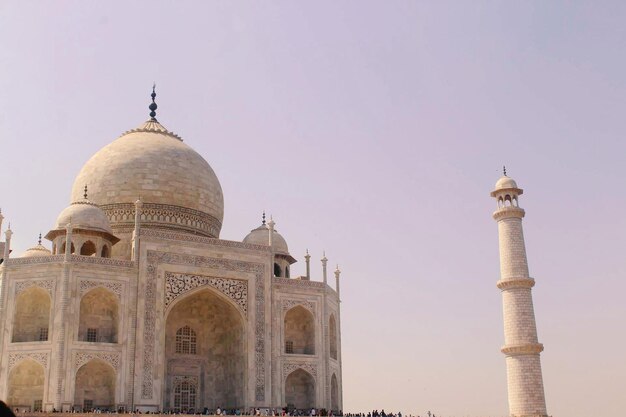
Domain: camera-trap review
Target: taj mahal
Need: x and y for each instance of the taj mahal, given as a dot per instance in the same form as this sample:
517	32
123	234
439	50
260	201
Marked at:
140	305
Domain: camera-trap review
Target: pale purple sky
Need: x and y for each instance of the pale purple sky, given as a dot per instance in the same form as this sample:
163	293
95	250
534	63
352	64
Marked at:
375	131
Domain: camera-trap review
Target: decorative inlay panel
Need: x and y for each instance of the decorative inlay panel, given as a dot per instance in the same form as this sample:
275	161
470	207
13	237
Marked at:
288	304
165	234
40	357
47	284
154	259
289	367
114	287
80	259
81	358
164	215
301	283
35	260
178	284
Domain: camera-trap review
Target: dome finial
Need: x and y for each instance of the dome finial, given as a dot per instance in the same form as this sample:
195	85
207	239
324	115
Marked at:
263	222
153	106
39	241
504	170
85	194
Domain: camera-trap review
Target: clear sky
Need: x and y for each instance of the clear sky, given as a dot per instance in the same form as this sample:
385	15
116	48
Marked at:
374	131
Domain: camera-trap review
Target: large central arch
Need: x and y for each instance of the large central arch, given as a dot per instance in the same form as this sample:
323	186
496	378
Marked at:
205	359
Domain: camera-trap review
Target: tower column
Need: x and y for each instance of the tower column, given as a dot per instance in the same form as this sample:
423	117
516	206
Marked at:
521	346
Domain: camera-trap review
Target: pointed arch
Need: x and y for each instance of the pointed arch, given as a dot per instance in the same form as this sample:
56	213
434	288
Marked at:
207	319
72	249
300	390
332	336
99	316
94	386
88	248
299	330
105	253
334	394
31	320
277	270
26	385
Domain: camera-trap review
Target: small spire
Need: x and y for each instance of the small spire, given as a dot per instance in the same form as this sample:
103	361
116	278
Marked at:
153	106
263	222
39	241
85	195
504	170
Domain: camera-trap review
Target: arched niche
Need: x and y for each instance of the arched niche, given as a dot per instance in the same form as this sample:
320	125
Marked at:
300	390
32	315
105	253
99	316
95	386
72	249
205	342
277	270
332	336
25	385
88	248
334	393
299	331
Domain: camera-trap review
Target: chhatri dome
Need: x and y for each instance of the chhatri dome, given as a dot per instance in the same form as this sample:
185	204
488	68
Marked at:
35	251
85	215
178	188
506	183
260	236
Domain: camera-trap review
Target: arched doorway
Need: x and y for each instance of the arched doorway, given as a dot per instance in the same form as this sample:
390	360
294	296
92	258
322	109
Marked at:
32	315
334	393
299	331
95	386
204	354
99	316
300	390
26	382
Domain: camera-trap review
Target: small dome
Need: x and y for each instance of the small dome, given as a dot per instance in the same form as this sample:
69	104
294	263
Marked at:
505	182
260	236
36	251
84	215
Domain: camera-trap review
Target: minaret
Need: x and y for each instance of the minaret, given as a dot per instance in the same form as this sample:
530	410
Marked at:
521	347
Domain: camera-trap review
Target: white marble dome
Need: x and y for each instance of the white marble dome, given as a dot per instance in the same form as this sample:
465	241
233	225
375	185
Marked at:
177	186
260	236
36	251
505	182
84	215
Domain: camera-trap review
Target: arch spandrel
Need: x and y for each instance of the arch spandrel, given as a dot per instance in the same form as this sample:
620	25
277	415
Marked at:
178	285
39	357
110	358
289	304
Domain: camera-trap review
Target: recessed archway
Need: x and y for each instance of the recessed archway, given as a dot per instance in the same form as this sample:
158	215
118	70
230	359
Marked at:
299	331
300	390
95	386
334	393
32	315
26	383
332	336
204	342
99	316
